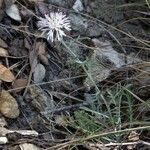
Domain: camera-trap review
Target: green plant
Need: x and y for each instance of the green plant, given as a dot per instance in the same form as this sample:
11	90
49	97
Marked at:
110	111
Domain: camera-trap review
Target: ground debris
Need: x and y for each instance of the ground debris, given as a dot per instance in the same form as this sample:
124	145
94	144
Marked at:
13	12
60	94
8	105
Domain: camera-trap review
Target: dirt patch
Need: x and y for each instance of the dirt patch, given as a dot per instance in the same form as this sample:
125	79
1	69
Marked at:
75	70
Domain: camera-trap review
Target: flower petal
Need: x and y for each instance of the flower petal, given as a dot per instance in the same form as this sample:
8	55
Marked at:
55	22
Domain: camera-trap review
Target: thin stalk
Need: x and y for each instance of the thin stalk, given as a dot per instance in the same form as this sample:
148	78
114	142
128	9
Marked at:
148	3
82	65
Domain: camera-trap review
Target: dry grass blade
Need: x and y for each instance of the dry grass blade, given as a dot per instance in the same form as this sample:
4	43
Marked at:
78	140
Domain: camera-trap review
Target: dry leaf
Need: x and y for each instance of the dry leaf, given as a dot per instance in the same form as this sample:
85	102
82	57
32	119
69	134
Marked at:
40	99
133	136
62	120
1	2
26	132
3	52
28	146
43	59
39	73
5	74
27	44
37	45
33	60
18	83
2	122
41	49
8	105
4	131
3	43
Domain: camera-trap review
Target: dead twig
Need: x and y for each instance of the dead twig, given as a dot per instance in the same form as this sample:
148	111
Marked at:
119	144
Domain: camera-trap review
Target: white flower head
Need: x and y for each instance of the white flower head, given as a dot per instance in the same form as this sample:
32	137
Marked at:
53	25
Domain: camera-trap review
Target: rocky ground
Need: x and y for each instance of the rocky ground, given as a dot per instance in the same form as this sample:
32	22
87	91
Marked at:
89	91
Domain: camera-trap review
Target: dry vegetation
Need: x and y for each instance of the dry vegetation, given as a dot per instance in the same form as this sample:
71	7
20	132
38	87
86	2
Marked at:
89	90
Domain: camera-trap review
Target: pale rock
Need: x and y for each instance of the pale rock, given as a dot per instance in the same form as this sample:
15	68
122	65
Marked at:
13	12
78	6
39	73
105	49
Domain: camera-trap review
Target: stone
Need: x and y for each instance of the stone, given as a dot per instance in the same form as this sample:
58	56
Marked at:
78	6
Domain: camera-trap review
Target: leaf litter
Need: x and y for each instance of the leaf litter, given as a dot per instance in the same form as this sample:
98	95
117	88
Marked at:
48	93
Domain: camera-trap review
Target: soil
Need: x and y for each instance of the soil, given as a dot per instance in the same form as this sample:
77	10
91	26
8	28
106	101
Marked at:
54	95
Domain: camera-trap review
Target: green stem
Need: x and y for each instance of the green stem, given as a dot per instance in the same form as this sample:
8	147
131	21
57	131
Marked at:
82	65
